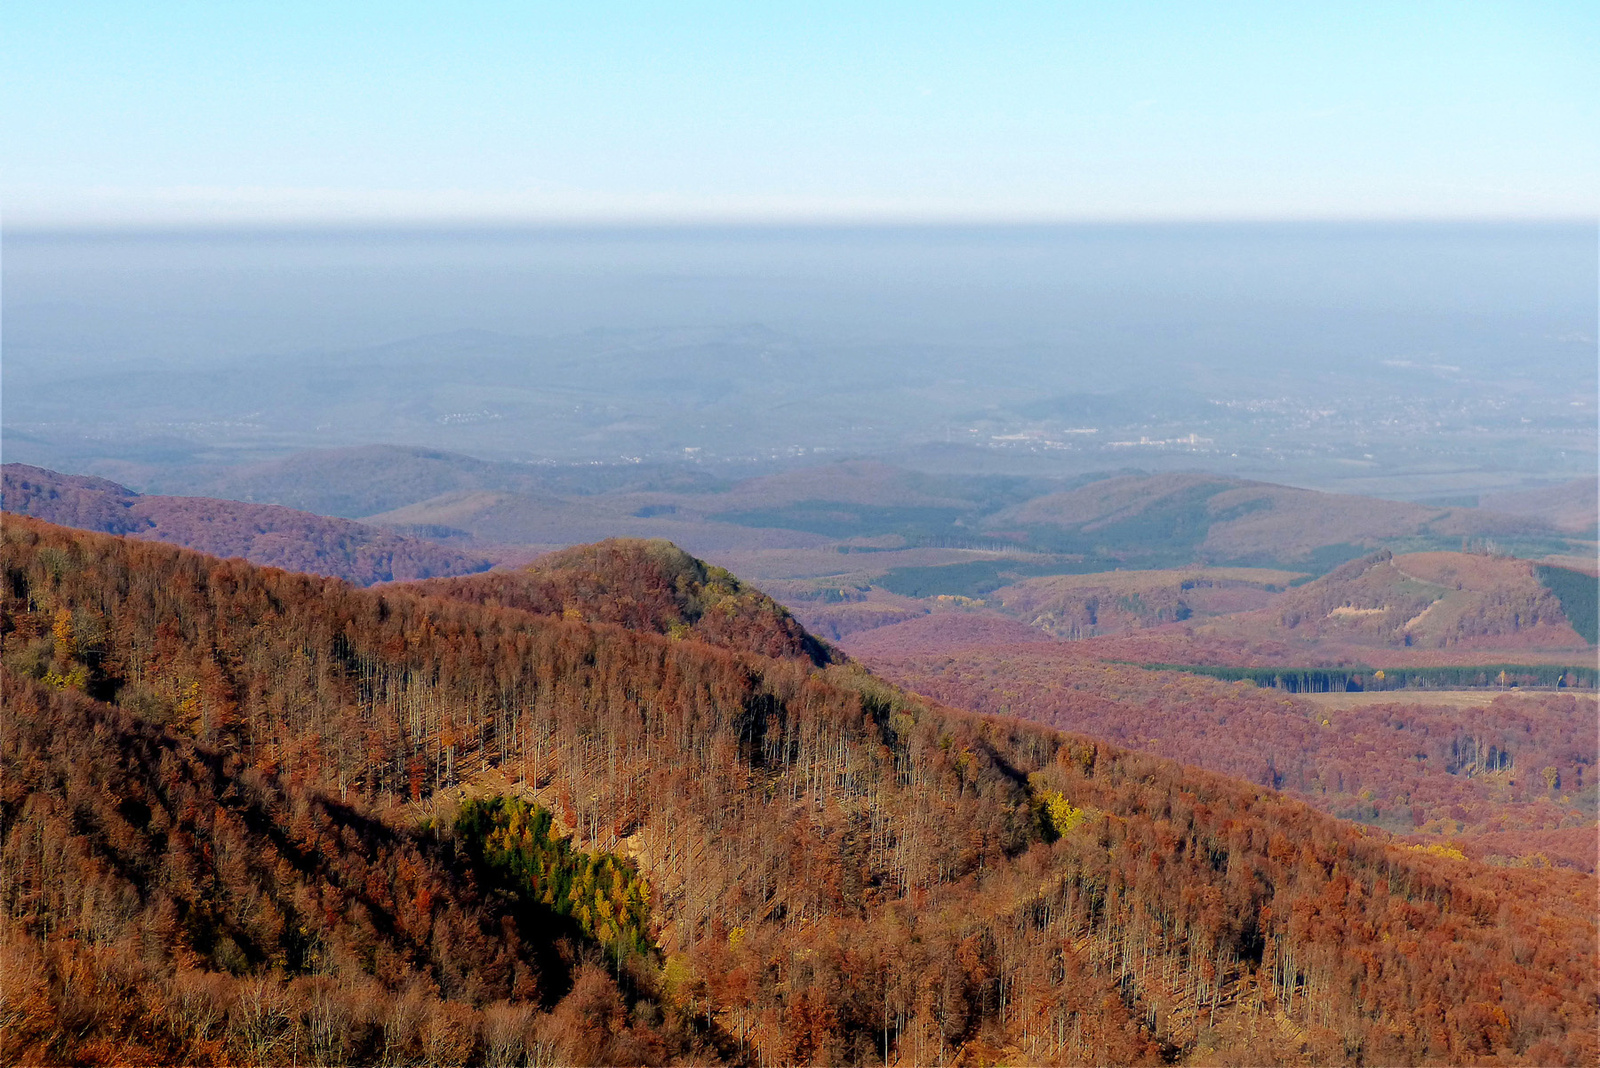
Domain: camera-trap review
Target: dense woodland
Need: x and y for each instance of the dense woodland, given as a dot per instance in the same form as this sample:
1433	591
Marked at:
1579	594
1220	645
228	778
1525	762
166	903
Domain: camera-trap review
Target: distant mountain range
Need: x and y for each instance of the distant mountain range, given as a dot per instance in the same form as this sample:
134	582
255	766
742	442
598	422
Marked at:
1128	518
409	512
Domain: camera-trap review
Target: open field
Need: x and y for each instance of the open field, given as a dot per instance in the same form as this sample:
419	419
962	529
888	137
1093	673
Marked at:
1429	698
1587	562
1138	581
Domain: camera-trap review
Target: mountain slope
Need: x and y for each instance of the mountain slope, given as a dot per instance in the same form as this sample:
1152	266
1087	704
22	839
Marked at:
839	872
166	903
264	534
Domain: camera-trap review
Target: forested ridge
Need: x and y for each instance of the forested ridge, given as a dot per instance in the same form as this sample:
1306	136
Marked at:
264	534
837	871
644	585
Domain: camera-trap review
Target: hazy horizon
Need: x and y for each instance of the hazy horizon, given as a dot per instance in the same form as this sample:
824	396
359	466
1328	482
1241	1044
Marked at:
1456	356
1352	251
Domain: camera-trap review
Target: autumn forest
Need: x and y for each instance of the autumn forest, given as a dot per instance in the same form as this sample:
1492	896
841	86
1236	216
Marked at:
619	808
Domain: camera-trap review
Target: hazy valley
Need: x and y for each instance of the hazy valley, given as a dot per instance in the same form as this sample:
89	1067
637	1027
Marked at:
893	676
1444	361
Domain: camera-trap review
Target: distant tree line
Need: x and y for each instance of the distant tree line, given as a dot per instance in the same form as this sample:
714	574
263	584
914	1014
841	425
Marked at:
1354	679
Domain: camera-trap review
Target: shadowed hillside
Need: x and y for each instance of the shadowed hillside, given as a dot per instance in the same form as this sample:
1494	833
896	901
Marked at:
167	902
261	533
838	872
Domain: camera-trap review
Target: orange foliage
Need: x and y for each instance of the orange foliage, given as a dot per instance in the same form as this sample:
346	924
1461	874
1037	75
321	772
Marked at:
882	858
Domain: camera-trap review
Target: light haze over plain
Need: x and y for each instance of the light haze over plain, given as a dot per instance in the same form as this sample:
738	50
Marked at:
1346	246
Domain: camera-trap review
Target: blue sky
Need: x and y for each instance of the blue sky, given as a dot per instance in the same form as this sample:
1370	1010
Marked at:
156	112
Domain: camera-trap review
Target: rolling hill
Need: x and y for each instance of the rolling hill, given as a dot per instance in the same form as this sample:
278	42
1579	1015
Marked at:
833	870
1573	506
543	520
994	532
1031	526
264	534
1080	606
1432	600
1188	517
364	480
1414	609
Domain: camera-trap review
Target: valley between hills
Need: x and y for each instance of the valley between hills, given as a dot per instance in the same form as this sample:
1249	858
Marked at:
385	755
